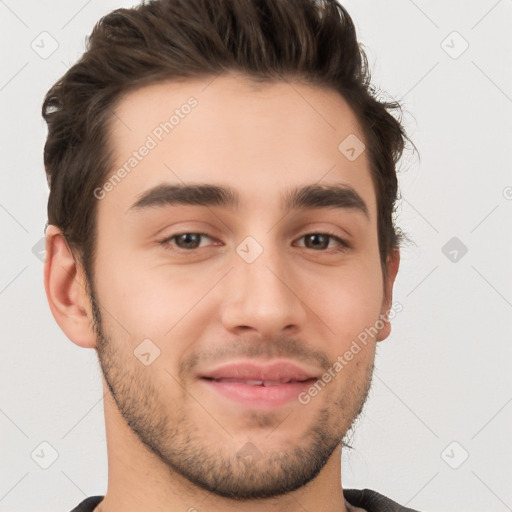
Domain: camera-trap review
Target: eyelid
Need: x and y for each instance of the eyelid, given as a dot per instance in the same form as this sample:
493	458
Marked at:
343	243
167	239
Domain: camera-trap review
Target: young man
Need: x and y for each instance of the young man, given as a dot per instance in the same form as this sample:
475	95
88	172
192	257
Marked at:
222	184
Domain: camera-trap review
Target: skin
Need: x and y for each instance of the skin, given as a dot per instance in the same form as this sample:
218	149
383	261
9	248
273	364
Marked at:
168	435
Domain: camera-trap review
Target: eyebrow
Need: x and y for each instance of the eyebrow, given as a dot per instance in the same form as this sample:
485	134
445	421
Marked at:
300	198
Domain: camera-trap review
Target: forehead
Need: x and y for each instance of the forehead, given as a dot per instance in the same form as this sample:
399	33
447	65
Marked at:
260	138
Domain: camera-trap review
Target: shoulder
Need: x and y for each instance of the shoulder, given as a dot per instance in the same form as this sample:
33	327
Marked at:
88	505
372	501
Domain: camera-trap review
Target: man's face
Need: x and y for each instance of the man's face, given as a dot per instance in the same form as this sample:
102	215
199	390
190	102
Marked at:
264	294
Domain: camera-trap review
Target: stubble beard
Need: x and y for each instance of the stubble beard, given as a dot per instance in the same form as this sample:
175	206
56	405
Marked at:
180	444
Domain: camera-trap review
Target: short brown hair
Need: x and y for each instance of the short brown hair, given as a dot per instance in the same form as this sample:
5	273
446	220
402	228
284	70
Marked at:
313	41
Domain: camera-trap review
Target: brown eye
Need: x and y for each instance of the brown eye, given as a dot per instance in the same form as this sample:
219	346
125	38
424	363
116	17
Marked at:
321	241
317	241
186	241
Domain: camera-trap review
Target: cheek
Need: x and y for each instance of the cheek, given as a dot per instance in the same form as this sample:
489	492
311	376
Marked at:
347	301
149	302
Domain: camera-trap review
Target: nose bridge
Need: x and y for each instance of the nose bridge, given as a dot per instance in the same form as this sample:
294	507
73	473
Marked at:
261	288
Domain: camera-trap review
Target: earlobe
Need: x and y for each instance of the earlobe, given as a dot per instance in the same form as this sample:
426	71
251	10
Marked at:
393	262
65	286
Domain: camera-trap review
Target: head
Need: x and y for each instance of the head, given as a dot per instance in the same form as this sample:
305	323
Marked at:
254	102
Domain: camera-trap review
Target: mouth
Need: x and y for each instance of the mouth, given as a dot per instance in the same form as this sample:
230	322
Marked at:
265	383
259	386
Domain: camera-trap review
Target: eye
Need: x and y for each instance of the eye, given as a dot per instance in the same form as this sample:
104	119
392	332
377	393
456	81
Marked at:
316	241
321	242
186	241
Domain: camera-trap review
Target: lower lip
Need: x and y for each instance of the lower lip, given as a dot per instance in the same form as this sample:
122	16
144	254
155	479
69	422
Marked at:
263	397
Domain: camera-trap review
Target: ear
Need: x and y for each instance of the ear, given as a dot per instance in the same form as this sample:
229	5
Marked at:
65	285
392	264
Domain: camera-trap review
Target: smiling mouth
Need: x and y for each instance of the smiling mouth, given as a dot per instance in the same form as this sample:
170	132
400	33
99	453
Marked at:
256	393
264	385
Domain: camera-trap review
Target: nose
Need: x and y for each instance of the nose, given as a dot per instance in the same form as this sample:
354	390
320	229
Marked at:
264	297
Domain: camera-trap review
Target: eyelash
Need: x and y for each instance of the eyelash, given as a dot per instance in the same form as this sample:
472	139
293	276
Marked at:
343	244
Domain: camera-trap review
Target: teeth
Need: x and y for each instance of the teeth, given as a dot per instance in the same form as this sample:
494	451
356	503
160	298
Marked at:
254	382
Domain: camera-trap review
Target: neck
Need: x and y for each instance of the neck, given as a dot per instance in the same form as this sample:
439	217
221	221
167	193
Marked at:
139	480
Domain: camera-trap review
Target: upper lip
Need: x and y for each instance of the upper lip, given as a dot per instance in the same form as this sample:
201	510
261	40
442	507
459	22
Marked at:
276	371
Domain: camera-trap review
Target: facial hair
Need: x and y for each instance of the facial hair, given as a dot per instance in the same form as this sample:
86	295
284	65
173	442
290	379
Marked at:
170	434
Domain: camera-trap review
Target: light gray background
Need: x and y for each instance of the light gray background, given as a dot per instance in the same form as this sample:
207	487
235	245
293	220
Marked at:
444	374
